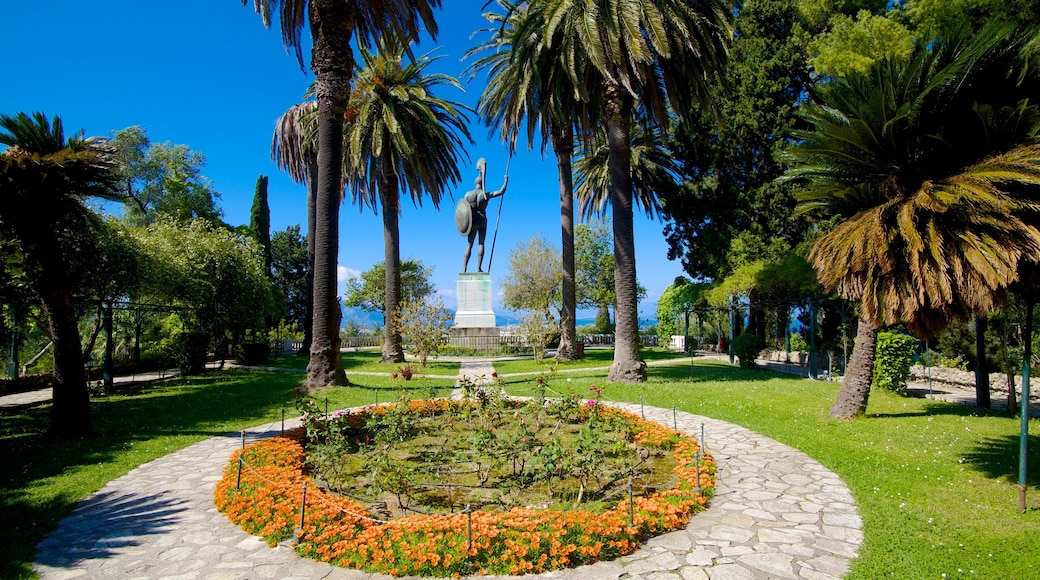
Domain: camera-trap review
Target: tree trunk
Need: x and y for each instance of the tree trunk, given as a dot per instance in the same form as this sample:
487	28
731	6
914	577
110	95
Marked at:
981	370
627	367
70	414
393	352
563	145
332	63
312	204
855	387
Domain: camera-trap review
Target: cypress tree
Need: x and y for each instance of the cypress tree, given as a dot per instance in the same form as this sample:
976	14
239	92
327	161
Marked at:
260	220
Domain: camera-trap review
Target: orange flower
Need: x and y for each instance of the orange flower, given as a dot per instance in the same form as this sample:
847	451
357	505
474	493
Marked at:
336	529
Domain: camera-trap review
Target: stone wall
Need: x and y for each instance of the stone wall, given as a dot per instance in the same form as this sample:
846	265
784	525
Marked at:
959	378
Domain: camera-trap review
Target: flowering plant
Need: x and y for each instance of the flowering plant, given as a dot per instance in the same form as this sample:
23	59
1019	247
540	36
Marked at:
265	499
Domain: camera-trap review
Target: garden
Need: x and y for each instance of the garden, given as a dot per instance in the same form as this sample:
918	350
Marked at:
935	482
482	485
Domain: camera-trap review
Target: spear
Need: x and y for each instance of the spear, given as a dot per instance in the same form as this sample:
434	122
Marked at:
494	238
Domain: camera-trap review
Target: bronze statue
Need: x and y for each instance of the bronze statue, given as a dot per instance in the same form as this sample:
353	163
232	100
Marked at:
471	215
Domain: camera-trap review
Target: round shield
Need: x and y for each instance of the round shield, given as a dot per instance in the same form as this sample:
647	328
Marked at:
463	217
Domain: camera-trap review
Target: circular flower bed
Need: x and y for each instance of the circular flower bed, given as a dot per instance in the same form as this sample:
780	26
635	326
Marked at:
265	485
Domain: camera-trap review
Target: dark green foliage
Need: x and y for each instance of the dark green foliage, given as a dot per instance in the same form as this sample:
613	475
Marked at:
189	352
260	220
895	353
603	325
747	346
252	353
729	167
956	344
289	274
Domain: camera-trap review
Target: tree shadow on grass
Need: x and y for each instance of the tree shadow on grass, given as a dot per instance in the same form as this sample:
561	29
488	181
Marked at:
195	407
998	457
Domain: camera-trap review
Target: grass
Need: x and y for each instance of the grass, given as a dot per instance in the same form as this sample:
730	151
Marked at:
936	483
367	361
42	480
594	358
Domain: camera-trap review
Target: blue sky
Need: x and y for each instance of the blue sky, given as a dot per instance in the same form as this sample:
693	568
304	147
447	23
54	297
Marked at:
207	74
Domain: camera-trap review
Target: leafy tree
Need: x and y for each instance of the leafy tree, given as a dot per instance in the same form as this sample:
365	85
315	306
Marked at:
846	36
533	282
594	261
289	273
215	274
260	220
538	331
929	161
333	24
853	43
44	180
730	211
595	270
677	302
401	139
369	293
660	54
424	324
163	179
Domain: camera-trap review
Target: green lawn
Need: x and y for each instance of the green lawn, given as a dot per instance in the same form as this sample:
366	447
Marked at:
367	361
594	358
935	483
42	480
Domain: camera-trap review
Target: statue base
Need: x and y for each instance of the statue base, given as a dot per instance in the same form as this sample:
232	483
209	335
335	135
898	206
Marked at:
473	290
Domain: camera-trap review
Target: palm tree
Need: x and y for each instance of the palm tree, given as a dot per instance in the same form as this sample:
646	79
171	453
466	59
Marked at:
44	179
933	163
654	170
527	81
293	150
333	24
660	54
400	136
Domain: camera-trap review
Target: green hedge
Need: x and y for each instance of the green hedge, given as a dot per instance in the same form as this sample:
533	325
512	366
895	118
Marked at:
895	353
747	347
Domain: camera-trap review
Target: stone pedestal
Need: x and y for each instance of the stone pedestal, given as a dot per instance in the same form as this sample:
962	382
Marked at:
475	299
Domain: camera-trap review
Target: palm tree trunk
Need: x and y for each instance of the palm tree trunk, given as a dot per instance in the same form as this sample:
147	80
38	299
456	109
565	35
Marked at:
333	62
563	145
70	415
855	388
312	201
981	368
393	352
627	367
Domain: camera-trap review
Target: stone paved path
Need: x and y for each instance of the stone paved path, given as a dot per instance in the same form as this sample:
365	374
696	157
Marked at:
776	514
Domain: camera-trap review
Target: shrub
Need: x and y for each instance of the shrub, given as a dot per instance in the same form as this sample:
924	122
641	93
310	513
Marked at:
747	346
189	352
252	353
798	343
895	353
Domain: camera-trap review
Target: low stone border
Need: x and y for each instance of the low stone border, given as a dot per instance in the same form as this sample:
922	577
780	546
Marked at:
776	514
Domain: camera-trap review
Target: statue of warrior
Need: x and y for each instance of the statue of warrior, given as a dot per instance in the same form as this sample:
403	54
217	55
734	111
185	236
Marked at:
471	215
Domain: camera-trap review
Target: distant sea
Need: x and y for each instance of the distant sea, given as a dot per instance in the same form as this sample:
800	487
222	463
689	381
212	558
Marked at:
372	319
